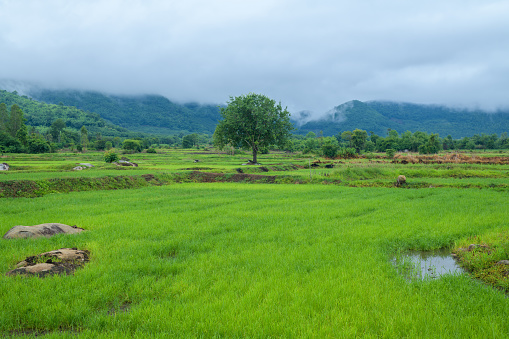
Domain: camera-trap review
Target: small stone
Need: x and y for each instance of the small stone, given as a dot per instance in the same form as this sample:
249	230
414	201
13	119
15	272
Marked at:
503	262
471	247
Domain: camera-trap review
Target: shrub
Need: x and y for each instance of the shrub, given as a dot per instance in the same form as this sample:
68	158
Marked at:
151	150
110	156
390	153
329	147
348	153
132	145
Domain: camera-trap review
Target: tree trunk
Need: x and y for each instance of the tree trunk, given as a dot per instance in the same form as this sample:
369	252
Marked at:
255	156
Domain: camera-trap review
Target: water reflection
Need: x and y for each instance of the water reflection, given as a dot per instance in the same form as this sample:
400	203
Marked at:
416	265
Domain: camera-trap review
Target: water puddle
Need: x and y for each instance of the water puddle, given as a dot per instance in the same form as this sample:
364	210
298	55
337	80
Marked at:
421	265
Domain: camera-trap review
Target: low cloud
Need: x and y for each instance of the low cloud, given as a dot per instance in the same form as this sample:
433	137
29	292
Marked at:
308	56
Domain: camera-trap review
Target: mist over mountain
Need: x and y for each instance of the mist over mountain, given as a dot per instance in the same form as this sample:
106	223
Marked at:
141	113
159	115
380	116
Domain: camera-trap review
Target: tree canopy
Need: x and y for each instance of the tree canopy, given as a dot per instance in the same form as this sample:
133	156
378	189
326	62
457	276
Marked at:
253	121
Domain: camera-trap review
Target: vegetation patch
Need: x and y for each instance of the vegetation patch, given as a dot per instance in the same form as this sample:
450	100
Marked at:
486	257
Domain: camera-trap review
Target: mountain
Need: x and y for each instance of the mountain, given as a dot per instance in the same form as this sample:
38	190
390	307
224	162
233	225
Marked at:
42	115
142	113
379	116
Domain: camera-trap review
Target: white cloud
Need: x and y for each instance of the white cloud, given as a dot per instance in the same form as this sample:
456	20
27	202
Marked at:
310	55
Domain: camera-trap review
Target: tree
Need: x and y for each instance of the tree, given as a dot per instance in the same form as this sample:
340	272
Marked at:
56	128
330	147
4	117
84	137
190	140
359	138
16	120
253	121
37	144
132	145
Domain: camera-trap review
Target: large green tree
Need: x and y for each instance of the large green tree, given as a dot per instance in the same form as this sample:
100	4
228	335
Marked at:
253	121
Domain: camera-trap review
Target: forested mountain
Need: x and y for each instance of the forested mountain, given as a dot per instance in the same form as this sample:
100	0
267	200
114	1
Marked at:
379	116
42	115
144	113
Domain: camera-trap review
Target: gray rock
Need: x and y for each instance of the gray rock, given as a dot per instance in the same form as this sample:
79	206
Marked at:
4	167
86	164
42	230
503	262
78	168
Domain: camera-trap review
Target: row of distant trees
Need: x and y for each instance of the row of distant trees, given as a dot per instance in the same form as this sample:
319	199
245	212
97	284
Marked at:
17	137
358	141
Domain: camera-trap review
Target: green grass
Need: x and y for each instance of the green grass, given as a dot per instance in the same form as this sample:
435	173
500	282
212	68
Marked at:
236	260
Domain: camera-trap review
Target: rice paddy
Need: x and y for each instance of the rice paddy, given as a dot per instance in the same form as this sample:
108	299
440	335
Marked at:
194	259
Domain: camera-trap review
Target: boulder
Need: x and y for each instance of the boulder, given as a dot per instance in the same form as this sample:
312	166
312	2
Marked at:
401	179
503	262
4	167
78	168
62	261
85	164
42	230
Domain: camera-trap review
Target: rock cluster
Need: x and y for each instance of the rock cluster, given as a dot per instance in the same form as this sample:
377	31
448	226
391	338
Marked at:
4	167
62	261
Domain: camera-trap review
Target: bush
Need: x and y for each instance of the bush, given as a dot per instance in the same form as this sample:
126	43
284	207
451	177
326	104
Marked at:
330	147
348	153
151	150
37	144
110	156
132	145
390	153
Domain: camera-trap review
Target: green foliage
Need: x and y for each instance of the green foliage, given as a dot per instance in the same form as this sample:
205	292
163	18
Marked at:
151	150
110	156
132	145
390	153
253	121
359	138
347	153
190	140
44	115
432	146
136	113
37	144
330	147
10	144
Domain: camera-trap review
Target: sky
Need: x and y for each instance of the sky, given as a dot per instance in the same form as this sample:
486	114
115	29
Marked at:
309	55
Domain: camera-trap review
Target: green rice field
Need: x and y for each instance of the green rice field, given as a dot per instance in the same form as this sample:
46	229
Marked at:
240	260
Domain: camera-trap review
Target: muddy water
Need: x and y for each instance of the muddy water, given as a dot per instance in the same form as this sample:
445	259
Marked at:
427	264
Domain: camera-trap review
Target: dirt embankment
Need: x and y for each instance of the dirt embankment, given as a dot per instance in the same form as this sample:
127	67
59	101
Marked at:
38	188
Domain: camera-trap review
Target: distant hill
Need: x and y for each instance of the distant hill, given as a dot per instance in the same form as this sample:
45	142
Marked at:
42	115
379	116
143	113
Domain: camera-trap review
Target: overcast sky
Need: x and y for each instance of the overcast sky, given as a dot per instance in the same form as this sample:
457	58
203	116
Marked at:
310	55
